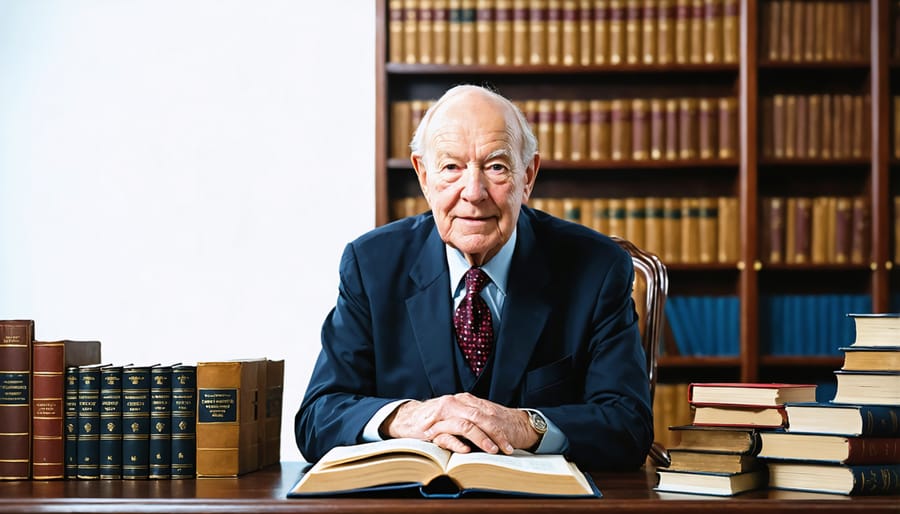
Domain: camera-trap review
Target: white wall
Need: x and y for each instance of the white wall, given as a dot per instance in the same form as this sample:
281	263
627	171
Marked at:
178	178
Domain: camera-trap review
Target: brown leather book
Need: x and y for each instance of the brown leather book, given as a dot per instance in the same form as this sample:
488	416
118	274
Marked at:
229	417
779	123
802	230
401	132
620	133
454	32
657	128
819	34
578	117
767	122
690	230
827	128
617	31
425	31
648	31
828	31
654	225
712	36
599	130
837	127
530	110
635	224
708	128
417	109
484	29
731	31
896	139
790	126
468	36
771	29
16	339
554	32
671	150
687	128
440	27
537	30
665	31
561	130
585	32
790	230
682	31
572	211
616	225
830	206
570	33
777	210
897	230
729	250
840	40
820	235
847	134
801	144
602	20
274	397
545	127
600	215
843	230
395	31
707	229
785	26
809	30
672	230
728	126
862	237
858	131
411	31
633	36
697	30
640	130
503	32
520	54
814	126
797	31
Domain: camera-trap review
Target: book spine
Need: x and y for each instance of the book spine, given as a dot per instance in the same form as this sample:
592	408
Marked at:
796	32
440	27
600	215
648	31
827	126
731	30
571	208
866	450
657	128
654	227
570	33
665	31
425	31
616	217
843	228
503	32
585	32
708	230
820	234
468	34
71	422
410	31
111	422
682	31
728	138
687	128
554	32
520	49
160	449
809	30
601	31
599	129
690	230
537	30
778	126
707	130
401	132
135	422
712	36
88	422
635	221
803	230
620	133
640	125
184	428
801	144
395	31
617	14
672	233
776	230
697	24
633	12
48	386
561	132
875	479
813	126
790	126
671	148
484	28
880	421
16	339
545	126
454	32
859	250
579	130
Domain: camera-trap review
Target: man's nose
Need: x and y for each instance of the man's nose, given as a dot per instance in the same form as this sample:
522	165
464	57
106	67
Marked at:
474	187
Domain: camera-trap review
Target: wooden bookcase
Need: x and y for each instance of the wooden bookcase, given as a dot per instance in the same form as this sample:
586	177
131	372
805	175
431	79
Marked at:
749	176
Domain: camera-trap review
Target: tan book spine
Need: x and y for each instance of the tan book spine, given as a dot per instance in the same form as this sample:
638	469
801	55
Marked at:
654	226
440	26
809	31
561	130
731	31
572	210
860	247
395	31
690	230
570	33
797	31
814	126
585	32
616	226
707	130
687	128
601	31
828	30
417	109
858	132
648	31
620	134
617	31
554	32
790	126
538	204
671	150
837	127
640	125
827	126
531	114
847	134
682	31
800	138
767	122
633	36
896	103
579	130
819	243
708	230
729	230
635	225
657	128
790	230
484	28
698	23
537	30
785	25
665	31
772	19
802	230
840	42
401	132
864	28
411	31
819	34
843	229
454	32
897	230
545	127
600	215
728	137
425	31
555	207
520	48
830	206
468	35
600	128
672	230
779	124
713	26
503	32
777	227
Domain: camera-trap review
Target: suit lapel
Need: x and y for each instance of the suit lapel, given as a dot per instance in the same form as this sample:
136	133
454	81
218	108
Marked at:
525	312
430	313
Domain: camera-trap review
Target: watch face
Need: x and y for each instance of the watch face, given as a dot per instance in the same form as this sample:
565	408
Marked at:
537	422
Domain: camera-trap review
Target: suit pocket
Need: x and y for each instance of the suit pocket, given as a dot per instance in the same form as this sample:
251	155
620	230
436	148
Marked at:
550	384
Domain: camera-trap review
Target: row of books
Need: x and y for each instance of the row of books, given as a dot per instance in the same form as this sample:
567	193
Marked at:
620	129
705	325
814	31
807	324
820	230
563	32
816	126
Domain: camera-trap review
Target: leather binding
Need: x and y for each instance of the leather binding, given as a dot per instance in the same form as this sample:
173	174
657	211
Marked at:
857	134
468	36
728	126
135	422
617	217
401	132
843	229
777	209
712	36
687	128
801	143
654	225
410	31
111	422
896	105
837	127
16	339
599	129
820	234
228	417
861	244
690	230
503	33
731	30
484	28
454	32
707	130
671	148
648	31
784	31
665	31
425	31
814	126
602	17
767	123
847	134
600	215
828	30
585	32
839	40
778	126
620	134
395	31
70	420
809	30
545	127
790	126
633	35
729	230
708	229
617	31
770	29
827	125
672	230
440	28
561	130
184	428
790	230
802	230
570	33
274	397
160	453
579	130
520	55
657	128
697	24
796	31
537	30
89	422
640	125
554	33
635	221
682	31
819	35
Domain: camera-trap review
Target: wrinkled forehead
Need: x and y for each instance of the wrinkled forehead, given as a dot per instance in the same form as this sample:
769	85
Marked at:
473	119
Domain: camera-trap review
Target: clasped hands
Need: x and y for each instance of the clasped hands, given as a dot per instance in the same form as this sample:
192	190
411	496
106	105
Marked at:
448	420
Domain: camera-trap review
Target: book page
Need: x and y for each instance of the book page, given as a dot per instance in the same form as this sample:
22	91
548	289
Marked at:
343	454
519	460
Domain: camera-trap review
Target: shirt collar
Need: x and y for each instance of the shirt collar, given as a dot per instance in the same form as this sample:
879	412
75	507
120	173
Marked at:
497	268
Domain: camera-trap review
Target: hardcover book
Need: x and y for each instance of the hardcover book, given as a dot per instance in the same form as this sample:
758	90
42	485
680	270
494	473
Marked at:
184	428
89	422
868	387
111	422
412	464
135	422
71	422
717	439
160	446
871	358
746	394
688	460
16	338
839	449
717	484
734	416
833	418
831	478
876	329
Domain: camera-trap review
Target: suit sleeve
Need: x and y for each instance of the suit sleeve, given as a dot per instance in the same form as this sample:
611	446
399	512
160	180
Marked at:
613	427
340	398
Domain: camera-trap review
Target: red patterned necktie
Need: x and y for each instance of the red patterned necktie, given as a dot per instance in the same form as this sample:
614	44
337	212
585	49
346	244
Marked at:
473	323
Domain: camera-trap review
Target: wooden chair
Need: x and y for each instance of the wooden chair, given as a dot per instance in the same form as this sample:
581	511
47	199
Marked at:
651	285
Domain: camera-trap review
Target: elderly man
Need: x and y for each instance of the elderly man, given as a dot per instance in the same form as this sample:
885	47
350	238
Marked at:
482	324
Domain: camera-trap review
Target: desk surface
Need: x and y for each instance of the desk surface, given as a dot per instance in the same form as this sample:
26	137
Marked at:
264	491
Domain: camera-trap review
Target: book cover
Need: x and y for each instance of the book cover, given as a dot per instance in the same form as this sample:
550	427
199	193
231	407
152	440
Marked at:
135	422
554	32
711	462
871	358
16	339
160	445
750	394
184	428
110	458
274	394
665	31
717	439
601	31
716	484
70	421
868	387
89	422
503	32
838	449
876	329
838	419
395	31
837	479
425	31
537	30
484	30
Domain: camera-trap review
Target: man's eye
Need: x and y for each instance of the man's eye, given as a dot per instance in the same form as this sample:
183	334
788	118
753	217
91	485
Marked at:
451	167
496	168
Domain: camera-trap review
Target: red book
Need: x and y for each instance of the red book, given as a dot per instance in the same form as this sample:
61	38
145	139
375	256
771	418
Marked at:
750	394
16	337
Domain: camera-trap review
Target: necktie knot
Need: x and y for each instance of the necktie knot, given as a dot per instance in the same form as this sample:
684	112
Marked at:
476	279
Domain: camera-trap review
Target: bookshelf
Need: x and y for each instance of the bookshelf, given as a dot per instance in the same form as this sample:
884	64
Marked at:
751	174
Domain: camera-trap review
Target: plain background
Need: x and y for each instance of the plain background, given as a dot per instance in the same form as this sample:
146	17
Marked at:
178	178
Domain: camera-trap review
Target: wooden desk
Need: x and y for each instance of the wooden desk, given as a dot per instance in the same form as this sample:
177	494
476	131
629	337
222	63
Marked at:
264	491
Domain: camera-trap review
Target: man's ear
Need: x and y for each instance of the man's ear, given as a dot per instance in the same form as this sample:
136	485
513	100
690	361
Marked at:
418	163
531	172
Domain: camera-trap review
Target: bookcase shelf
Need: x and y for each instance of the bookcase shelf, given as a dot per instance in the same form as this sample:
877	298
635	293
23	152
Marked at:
751	176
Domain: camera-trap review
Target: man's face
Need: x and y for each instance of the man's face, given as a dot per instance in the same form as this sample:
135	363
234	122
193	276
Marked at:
471	176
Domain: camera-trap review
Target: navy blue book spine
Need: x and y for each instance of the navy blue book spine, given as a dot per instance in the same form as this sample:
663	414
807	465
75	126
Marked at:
71	422
184	428
160	422
88	422
135	422
111	422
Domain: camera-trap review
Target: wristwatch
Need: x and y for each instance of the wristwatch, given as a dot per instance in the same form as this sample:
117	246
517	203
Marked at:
537	421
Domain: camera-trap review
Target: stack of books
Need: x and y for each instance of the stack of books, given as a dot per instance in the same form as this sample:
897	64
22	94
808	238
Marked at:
852	444
717	453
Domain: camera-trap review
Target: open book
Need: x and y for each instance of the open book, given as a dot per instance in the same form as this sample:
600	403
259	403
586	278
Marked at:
410	463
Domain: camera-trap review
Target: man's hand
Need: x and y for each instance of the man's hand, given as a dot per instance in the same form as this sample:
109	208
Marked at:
446	420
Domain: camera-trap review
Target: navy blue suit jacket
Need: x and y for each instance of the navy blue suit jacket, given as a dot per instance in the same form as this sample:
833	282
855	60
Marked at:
568	343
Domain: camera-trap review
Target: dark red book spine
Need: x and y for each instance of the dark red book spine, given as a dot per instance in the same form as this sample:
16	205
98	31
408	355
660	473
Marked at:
16	338
48	385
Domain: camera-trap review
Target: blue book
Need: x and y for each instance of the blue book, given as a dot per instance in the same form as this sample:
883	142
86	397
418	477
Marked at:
135	422
184	428
160	449
111	422
88	446
71	422
835	478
